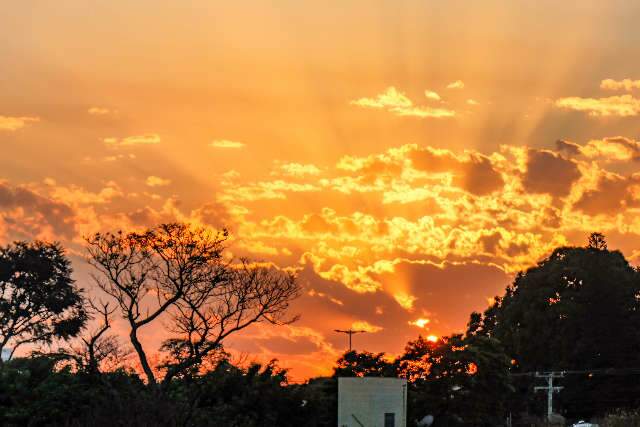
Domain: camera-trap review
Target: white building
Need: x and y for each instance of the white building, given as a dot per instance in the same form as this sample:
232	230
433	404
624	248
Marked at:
372	402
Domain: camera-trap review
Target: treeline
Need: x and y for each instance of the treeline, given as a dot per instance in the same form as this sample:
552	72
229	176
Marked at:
577	310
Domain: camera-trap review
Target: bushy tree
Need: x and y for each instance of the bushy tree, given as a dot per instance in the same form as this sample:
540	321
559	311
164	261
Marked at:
576	310
460	380
39	301
363	364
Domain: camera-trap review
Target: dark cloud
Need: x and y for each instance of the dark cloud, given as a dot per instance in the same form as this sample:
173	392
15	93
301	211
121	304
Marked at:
26	214
549	173
612	195
568	147
474	173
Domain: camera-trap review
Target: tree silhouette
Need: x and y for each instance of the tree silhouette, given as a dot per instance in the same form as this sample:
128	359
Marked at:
578	309
179	272
363	364
39	301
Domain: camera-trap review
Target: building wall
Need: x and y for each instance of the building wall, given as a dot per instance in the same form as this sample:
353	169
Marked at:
369	399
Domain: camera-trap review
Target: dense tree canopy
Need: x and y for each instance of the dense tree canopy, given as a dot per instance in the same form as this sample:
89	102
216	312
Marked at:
576	310
39	301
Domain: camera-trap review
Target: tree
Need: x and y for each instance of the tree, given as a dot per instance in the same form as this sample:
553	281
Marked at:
39	301
179	272
460	380
363	364
576	310
96	350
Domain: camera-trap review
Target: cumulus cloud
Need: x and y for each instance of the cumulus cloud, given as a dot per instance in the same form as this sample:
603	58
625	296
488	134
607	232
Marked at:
471	171
146	139
225	143
25	214
548	172
458	84
11	124
398	103
156	181
626	84
297	169
100	111
621	106
365	326
432	95
612	195
617	148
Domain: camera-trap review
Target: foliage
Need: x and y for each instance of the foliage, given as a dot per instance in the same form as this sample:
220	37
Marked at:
577	310
621	419
363	364
39	301
460	380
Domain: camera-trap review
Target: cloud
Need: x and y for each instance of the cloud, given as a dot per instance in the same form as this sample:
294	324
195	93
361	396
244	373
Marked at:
365	326
617	148
391	98
458	84
613	195
471	171
100	111
548	172
626	84
405	300
568	147
299	170
432	95
156	181
620	106
147	139
399	104
472	102
225	143
420	322
24	214
15	123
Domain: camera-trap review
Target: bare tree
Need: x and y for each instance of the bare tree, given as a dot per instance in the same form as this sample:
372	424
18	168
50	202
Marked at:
96	350
250	293
178	272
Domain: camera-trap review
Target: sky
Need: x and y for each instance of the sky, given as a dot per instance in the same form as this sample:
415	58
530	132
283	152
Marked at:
406	158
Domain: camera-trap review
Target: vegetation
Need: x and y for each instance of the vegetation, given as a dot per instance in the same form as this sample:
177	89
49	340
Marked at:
576	310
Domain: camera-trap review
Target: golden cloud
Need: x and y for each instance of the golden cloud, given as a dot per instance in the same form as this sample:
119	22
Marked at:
616	148
622	106
14	123
458	84
432	95
226	143
399	104
297	169
626	84
156	181
147	139
101	111
365	326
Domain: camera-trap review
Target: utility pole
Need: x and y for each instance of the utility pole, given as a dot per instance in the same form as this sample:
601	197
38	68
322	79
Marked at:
349	332
549	388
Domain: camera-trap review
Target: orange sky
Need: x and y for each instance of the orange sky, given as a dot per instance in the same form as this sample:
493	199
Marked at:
406	157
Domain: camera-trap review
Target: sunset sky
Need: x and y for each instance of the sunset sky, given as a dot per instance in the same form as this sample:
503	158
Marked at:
407	158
